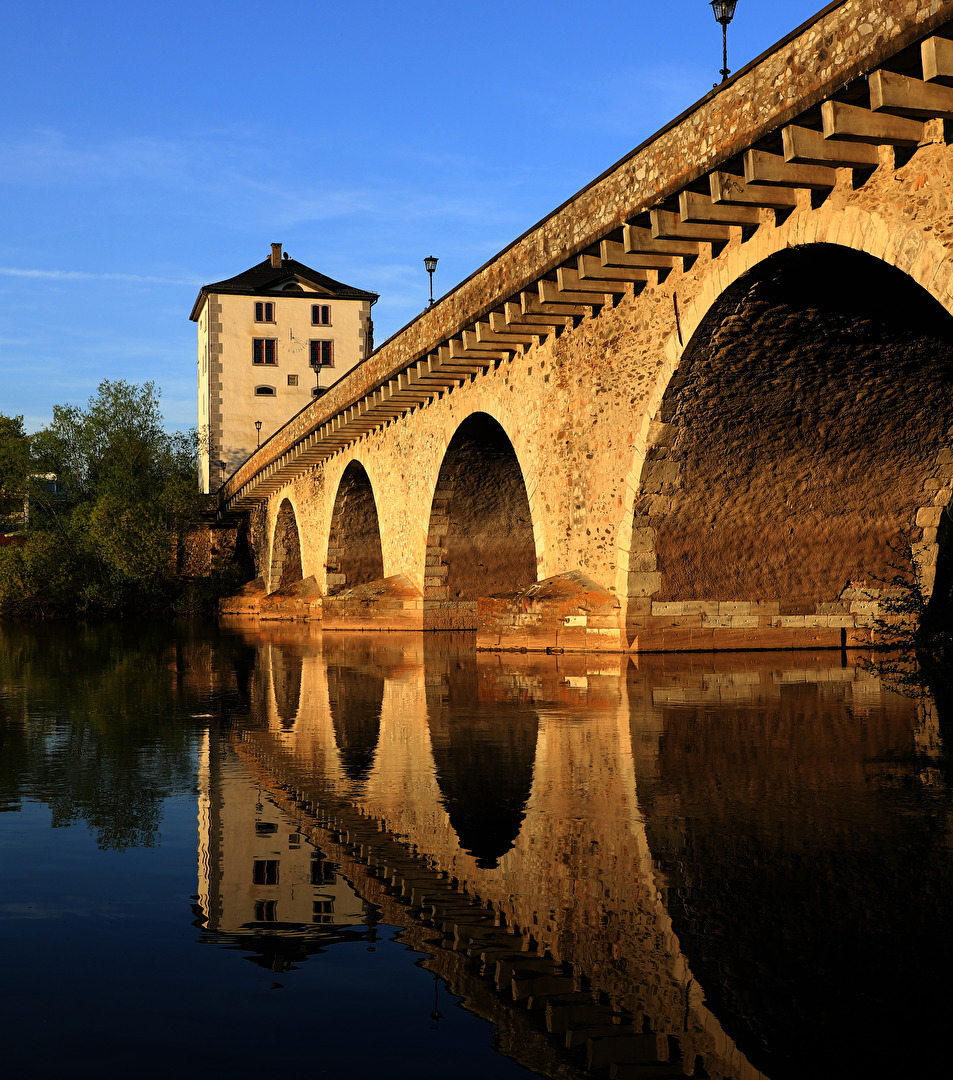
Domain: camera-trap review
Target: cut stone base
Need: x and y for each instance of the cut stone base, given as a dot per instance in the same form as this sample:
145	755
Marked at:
302	600
389	604
246	602
568	612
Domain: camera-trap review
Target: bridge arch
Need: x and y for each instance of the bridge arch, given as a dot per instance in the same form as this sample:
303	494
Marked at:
355	555
801	433
480	540
285	567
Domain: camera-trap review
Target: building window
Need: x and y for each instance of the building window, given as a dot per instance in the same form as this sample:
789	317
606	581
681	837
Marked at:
322	873
265	828
292	380
264	350
265	391
265	872
264	311
266	911
323	907
322	353
320	314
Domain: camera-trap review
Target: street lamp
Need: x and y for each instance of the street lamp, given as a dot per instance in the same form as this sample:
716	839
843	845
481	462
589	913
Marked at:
223	466
258	430
430	264
724	12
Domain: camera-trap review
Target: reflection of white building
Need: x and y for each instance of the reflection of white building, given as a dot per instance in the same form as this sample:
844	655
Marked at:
258	875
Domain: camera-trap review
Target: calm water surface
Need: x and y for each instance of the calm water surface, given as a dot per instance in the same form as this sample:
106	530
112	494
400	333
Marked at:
237	851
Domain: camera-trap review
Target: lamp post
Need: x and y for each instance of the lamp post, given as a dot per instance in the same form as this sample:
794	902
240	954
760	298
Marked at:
724	12
258	431
430	264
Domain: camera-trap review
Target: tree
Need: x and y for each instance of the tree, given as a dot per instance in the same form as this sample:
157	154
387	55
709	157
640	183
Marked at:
14	469
112	498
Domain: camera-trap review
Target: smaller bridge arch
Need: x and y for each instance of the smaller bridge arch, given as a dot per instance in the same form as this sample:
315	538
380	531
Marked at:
285	567
354	556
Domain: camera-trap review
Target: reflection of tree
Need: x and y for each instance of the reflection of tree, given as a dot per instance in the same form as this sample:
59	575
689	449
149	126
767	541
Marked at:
97	722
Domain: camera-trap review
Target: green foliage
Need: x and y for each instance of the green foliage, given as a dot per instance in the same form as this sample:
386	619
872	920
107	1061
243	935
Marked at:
14	469
112	497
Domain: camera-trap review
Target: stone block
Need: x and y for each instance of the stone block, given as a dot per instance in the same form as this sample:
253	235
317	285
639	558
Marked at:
644	584
641	562
668	607
864	607
744	622
700	607
929	516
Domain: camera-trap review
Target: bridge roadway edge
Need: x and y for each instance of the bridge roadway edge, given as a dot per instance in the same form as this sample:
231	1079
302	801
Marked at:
607	476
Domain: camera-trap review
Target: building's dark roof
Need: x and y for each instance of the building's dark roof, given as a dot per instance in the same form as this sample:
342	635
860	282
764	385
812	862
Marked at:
263	279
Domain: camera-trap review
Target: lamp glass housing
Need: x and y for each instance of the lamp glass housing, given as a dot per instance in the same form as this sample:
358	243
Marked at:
430	263
724	10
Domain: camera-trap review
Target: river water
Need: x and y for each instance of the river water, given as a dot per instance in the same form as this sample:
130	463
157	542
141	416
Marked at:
233	851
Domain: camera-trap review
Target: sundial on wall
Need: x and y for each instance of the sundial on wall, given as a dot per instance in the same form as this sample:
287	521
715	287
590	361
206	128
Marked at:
295	344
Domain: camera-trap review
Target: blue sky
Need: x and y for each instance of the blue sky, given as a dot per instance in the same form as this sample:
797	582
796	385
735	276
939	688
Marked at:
148	149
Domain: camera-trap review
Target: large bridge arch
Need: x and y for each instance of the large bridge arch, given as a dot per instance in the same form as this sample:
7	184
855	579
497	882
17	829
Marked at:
480	539
816	382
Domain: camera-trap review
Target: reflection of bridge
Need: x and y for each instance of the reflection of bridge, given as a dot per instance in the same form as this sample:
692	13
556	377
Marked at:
692	408
379	747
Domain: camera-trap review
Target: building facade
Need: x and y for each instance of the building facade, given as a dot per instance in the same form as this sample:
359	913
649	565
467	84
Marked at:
270	340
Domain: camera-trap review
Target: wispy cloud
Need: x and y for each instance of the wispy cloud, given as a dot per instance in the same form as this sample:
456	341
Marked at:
84	275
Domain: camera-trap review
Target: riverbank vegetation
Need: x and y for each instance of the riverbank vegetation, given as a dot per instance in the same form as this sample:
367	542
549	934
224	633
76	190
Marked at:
98	509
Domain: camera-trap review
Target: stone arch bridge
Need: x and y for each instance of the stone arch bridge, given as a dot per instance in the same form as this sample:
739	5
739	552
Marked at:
706	403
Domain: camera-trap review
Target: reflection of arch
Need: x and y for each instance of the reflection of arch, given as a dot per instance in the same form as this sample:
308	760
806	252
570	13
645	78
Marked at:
798	433
480	541
286	665
285	549
484	753
354	543
355	701
785	853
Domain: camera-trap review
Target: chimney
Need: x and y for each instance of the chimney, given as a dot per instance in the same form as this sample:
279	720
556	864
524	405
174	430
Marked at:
276	256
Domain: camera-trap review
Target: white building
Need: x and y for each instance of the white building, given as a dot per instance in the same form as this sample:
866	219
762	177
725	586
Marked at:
269	340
